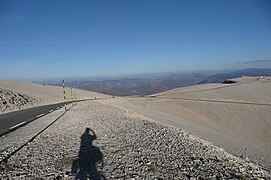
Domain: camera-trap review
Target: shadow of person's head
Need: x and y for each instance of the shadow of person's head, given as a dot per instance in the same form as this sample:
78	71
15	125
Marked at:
87	137
87	130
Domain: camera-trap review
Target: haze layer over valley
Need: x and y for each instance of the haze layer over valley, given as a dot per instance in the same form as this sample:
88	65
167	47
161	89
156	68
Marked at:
146	84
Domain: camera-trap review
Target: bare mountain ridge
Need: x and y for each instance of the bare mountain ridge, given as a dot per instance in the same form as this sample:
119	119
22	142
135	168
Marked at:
140	86
149	84
219	78
10	100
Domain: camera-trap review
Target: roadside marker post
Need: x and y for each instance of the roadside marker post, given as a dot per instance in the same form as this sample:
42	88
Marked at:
74	96
64	93
71	96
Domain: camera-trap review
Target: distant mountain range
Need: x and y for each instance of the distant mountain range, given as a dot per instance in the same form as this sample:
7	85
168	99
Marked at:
145	85
140	86
219	78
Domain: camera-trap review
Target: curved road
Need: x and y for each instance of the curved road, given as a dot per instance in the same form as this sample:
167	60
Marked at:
207	89
13	120
212	100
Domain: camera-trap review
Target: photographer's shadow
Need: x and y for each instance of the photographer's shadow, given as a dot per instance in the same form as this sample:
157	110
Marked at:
89	163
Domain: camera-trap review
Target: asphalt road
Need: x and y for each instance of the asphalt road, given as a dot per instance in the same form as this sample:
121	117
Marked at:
13	120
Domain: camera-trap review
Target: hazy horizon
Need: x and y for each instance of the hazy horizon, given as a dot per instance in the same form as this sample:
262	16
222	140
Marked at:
258	64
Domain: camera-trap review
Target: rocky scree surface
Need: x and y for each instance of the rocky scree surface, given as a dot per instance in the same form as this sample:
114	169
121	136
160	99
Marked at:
124	145
11	101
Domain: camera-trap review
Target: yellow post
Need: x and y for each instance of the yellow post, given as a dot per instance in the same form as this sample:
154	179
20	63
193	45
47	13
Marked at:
71	96
64	93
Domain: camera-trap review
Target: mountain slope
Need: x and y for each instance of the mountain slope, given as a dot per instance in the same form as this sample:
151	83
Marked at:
233	116
219	78
140	86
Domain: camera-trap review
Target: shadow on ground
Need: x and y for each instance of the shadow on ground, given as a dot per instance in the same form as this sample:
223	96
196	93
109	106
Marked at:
89	163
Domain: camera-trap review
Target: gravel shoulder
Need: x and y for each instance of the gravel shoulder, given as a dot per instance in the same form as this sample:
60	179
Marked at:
240	147
100	141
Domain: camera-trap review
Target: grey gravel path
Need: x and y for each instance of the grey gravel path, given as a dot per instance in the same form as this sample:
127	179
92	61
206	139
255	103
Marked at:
103	142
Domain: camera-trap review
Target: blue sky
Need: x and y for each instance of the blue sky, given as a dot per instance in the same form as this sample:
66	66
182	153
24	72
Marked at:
41	39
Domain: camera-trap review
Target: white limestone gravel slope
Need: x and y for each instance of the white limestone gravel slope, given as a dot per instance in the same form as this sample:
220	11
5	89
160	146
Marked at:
126	145
10	101
235	116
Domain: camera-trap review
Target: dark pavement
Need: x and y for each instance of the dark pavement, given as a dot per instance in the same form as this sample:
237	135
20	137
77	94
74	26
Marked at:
13	120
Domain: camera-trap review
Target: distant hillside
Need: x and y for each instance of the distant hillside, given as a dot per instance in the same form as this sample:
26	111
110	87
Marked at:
219	78
140	86
150	84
